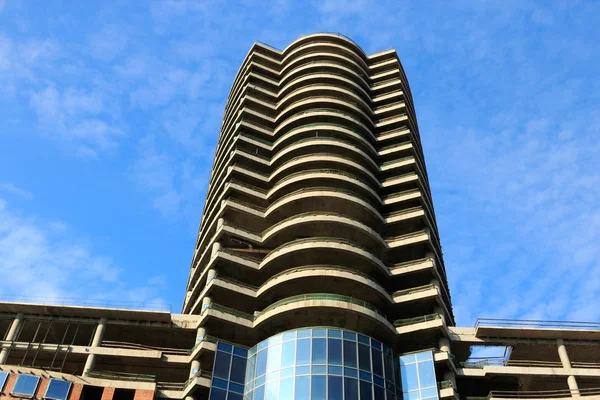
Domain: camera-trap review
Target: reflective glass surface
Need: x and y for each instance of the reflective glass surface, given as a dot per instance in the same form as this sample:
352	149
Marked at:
229	372
417	372
3	378
57	389
26	385
321	364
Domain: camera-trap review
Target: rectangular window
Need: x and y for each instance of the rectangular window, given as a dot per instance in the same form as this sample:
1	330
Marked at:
350	354
334	351
364	357
335	390
303	352
418	376
57	390
274	358
319	351
3	378
288	351
318	388
25	386
302	390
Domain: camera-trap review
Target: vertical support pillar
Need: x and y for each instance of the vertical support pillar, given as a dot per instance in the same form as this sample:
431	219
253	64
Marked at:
440	310
13	332
220	223
96	341
449	375
212	273
200	335
206	302
215	249
566	363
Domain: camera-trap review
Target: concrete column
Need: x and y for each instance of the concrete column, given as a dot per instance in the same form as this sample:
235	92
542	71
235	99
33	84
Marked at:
212	273
200	335
566	363
195	368
450	376
444	344
13	332
215	249
220	222
96	341
206	302
440	310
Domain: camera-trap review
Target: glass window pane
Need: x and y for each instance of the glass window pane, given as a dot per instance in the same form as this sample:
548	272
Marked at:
408	359
218	394
319	369
224	347
274	358
318	388
431	393
250	369
334	351
426	374
263	345
389	370
378	393
238	369
335	390
234	396
409	377
272	390
275	339
288	353
222	363
364	357
336	333
287	372
377	362
261	363
319	351
286	388
349	354
350	389
304	333
303	352
366	391
238	351
236	387
364	339
289	335
219	383
349	335
57	389
302	389
304	370
259	393
425	356
319	332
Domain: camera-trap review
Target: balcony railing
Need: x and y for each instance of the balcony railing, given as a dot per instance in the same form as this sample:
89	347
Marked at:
500	362
416	320
82	302
543	394
539	324
122	376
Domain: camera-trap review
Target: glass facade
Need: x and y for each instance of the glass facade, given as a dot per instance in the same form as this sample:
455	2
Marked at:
321	364
418	376
57	390
229	371
25	385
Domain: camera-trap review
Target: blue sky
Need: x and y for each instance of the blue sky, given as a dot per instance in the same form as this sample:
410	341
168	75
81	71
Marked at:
110	112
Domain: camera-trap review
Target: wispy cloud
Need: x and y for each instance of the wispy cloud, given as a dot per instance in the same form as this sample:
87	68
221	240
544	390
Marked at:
12	189
108	43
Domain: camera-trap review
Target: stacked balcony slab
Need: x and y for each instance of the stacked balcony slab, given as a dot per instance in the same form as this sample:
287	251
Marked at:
318	210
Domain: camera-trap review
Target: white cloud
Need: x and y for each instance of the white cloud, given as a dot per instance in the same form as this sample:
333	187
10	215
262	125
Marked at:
108	43
10	188
44	260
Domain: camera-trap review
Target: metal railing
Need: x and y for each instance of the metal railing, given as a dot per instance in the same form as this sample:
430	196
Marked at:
515	323
82	302
500	362
414	290
543	394
122	376
138	346
416	320
445	385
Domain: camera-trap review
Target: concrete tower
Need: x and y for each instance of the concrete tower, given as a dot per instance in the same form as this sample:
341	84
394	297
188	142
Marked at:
318	209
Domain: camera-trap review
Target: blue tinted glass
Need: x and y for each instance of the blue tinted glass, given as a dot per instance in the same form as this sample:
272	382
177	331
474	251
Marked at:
318	390
274	358
259	393
426	374
319	369
272	390
304	333
414	395
349	335
378	381
431	393
305	370
273	376
409	377
222	364
377	362
349	353
366	391
336	333
234	396
218	394
376	344
335	390
319	351
288	352
424	356
389	370
289	335
363	339
3	377
58	390
261	363
408	359
334	351
238	351
260	381
319	332
351	372
350	389
365	376
238	369
250	369
335	370
389	394
303	352
219	383
364	357
26	385
287	372
302	389
236	387
286	388
263	345
275	339
224	347
378	393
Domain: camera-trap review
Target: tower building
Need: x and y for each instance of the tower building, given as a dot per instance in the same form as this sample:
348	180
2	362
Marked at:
317	271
